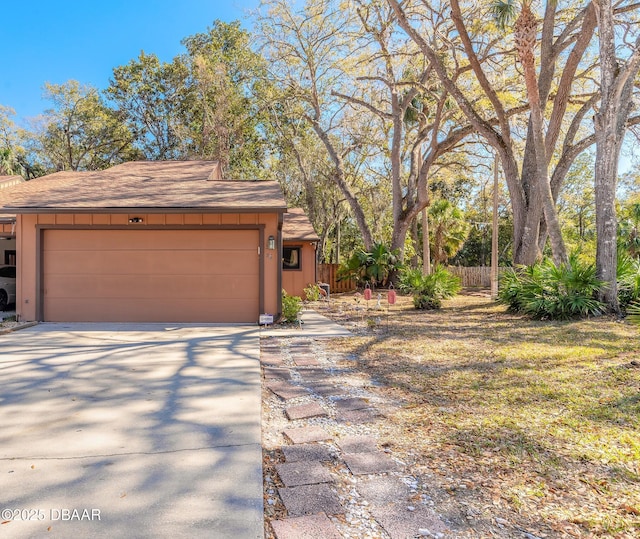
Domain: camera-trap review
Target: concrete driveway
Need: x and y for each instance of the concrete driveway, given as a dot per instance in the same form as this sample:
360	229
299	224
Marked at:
117	430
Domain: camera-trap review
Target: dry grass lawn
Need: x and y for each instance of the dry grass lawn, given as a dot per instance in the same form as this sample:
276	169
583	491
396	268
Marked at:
533	425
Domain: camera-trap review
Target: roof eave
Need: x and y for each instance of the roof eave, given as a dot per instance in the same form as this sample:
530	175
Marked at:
138	209
307	238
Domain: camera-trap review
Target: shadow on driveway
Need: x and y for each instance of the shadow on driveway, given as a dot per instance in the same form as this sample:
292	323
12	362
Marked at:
153	429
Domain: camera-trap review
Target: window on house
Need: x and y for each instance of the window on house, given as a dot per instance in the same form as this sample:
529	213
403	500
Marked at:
291	258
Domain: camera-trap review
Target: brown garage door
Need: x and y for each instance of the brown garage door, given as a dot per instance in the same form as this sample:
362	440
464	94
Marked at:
150	275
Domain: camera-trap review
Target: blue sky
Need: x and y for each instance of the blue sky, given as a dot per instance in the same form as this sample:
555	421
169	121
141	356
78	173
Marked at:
47	41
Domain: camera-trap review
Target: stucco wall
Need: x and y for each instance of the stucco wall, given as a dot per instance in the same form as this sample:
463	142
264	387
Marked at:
28	231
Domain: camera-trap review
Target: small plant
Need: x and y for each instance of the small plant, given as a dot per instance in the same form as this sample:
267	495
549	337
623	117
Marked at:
547	291
291	307
429	290
312	292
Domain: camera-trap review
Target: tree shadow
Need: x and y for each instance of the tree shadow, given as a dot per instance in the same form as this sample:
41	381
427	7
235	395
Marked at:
157	427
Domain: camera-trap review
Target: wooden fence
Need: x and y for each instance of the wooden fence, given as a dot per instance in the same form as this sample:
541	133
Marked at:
472	277
478	276
328	273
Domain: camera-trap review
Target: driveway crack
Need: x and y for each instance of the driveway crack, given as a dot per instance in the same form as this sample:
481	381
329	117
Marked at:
131	453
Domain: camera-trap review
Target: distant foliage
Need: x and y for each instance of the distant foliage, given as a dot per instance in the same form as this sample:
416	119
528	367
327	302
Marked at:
204	104
80	132
629	230
291	307
547	291
428	291
374	267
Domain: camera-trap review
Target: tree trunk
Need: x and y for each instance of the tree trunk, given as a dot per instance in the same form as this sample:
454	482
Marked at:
426	251
607	153
610	124
416	243
338	240
400	229
606	222
494	233
527	59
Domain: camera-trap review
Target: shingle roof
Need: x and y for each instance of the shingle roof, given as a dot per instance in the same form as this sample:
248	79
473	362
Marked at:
296	226
5	183
150	185
9	181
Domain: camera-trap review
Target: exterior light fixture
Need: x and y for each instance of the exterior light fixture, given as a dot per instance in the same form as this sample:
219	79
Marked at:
136	219
271	244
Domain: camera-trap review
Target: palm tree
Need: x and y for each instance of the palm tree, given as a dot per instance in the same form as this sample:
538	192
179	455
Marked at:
449	230
525	35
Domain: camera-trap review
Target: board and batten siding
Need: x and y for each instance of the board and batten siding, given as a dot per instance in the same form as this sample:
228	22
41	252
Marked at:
163	231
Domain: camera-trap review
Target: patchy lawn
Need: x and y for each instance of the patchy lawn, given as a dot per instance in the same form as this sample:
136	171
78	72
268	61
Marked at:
536	421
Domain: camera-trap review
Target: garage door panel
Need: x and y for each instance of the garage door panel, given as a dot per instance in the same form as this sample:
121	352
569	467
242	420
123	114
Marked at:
136	240
170	287
218	262
230	262
153	310
141	275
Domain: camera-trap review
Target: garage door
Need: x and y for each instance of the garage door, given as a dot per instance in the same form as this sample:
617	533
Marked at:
151	275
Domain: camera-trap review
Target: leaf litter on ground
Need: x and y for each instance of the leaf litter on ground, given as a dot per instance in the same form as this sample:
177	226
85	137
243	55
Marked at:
533	425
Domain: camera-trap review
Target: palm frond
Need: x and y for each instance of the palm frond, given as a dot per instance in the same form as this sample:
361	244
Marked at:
504	12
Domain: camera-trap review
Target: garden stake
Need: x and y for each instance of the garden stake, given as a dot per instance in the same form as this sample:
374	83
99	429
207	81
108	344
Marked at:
391	300
367	296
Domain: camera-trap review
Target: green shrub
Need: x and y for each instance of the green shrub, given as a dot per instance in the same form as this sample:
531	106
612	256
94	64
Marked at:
426	303
547	291
291	307
511	283
410	280
429	290
312	292
374	267
633	312
628	272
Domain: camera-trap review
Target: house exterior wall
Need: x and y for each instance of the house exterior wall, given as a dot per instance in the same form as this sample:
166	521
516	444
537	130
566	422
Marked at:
30	230
295	281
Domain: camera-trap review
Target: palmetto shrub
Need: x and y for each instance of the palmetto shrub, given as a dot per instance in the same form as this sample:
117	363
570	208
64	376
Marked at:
547	291
373	267
628	272
428	291
633	312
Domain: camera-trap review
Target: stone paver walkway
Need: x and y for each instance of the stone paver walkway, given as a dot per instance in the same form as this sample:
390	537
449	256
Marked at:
332	458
